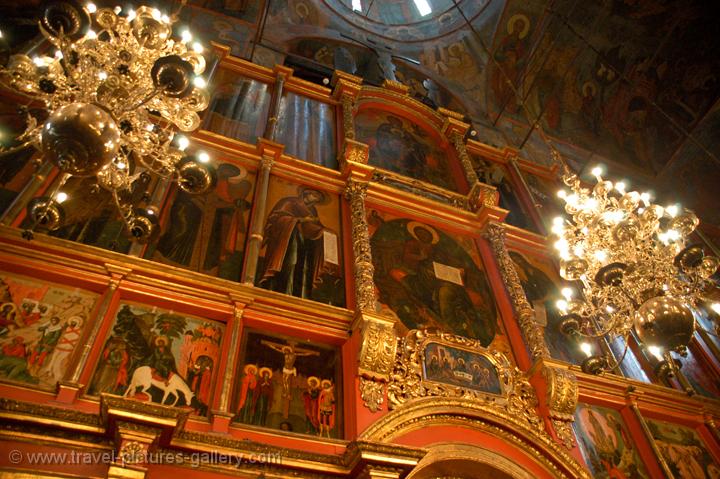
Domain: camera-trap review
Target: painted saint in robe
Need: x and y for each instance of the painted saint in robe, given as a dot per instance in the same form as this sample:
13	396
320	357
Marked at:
294	261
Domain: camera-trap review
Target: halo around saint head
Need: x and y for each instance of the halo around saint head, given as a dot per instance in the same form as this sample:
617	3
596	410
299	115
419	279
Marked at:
412	226
250	369
313	381
265	370
514	20
325	383
325	198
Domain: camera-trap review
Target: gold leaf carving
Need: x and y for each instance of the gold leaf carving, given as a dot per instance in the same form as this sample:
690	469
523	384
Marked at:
534	335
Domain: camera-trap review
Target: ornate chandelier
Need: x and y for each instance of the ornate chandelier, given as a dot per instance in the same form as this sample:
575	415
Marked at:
635	273
117	89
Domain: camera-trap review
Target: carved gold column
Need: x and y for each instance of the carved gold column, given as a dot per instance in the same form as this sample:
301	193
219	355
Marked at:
454	129
379	340
70	386
532	331
222	415
560	384
346	89
139	431
281	74
27	193
269	152
355	192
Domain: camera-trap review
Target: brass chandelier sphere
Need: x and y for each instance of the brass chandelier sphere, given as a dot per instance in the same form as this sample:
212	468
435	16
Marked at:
80	139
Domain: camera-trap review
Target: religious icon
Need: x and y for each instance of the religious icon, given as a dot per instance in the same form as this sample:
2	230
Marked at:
161	357
399	145
604	441
287	386
683	450
460	367
40	327
428	280
301	247
207	233
290	353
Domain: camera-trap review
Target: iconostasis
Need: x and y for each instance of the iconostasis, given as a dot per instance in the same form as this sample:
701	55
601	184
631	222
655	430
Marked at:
241	309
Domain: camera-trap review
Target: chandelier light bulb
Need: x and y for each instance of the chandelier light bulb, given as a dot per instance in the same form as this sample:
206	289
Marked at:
203	157
131	15
165	18
182	142
156	14
656	351
601	256
567	293
596	172
117	10
197	47
620	186
672	210
91	8
562	194
586	348
185	36
715	307
562	305
199	82
60	197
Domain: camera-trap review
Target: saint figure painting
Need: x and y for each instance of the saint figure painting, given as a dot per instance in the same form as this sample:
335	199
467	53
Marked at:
428	280
159	356
301	252
283	384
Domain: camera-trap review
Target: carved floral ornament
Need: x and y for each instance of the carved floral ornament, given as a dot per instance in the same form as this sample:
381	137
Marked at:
412	379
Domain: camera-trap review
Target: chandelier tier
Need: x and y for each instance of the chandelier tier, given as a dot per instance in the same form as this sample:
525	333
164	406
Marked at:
117	89
633	267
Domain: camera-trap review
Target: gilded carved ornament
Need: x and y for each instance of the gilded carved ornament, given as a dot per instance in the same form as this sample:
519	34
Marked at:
408	382
562	387
562	399
379	340
533	332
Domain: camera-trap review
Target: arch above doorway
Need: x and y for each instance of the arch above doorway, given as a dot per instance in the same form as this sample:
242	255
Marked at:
482	431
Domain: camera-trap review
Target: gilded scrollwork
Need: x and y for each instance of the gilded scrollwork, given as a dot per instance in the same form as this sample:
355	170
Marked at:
348	105
355	192
533	332
372	393
517	397
377	355
132	452
459	144
562	398
356	152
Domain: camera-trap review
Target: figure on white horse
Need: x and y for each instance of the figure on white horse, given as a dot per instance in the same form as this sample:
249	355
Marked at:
143	378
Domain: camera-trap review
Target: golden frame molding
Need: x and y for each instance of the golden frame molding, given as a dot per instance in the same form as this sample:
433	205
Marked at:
408	382
467	413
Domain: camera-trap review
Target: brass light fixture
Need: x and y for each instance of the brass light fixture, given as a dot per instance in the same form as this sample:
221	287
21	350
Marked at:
635	271
117	89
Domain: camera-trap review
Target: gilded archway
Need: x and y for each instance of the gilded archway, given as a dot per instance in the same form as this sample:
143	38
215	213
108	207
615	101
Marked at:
524	449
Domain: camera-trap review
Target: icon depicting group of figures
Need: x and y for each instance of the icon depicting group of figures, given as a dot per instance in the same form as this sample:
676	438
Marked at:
40	327
285	398
161	357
